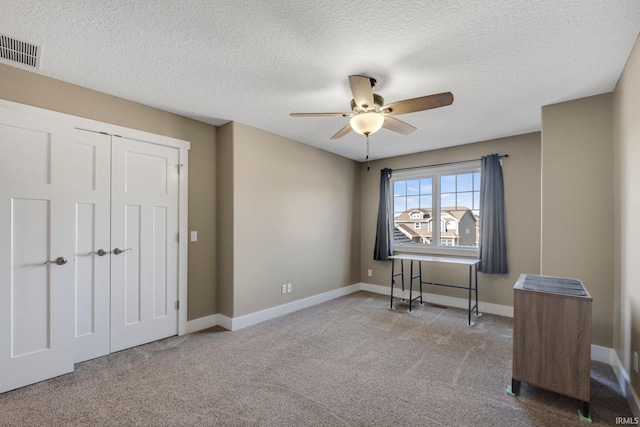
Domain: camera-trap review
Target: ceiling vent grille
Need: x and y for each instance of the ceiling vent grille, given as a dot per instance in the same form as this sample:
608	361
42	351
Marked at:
19	51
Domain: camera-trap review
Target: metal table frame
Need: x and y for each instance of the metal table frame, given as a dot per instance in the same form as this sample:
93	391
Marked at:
404	295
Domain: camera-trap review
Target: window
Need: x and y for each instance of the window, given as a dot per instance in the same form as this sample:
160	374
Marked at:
447	196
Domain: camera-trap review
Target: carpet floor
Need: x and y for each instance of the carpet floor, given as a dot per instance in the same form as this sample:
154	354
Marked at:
347	362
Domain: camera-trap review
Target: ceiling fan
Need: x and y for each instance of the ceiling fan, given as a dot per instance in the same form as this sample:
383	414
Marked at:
369	113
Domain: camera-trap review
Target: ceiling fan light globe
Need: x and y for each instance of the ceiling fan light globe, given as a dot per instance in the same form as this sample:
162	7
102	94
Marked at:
367	123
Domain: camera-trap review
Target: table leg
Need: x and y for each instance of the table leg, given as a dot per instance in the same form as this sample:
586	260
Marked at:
420	273
393	280
478	314
476	273
410	285
470	299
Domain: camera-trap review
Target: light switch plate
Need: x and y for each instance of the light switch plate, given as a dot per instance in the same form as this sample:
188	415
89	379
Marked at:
194	236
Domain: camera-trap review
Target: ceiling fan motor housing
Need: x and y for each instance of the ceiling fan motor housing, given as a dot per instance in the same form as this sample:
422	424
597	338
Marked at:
378	102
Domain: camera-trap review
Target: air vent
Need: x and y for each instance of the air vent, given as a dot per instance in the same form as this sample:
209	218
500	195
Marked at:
19	51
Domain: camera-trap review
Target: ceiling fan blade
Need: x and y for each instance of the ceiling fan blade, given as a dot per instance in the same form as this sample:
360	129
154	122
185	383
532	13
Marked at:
419	104
342	132
320	114
396	125
362	91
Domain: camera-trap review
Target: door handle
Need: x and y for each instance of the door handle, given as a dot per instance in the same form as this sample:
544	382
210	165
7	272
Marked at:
118	251
99	252
60	261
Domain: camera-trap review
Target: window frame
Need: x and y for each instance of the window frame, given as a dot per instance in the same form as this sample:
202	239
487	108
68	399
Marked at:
433	172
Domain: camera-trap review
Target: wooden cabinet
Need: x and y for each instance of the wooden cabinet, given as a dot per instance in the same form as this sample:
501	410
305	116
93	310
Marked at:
552	336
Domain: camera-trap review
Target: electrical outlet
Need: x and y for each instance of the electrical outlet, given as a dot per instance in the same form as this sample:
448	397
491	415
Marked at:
369	272
288	287
635	361
283	288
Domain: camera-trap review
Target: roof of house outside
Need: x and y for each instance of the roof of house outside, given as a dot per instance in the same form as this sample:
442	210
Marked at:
457	213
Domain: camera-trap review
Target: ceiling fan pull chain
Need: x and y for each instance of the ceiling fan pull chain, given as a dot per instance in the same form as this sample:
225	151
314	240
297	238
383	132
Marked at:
368	164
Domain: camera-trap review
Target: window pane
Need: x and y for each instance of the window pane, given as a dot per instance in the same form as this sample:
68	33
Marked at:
413	187
465	182
465	200
476	181
426	201
476	200
399	204
448	200
426	186
448	184
413	202
400	188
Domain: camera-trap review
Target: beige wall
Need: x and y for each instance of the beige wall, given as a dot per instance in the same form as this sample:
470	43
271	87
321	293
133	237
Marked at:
224	176
626	107
33	89
522	204
577	201
295	220
269	210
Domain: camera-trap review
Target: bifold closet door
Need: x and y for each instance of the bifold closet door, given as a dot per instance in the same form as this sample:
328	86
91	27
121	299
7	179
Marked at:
36	249
144	240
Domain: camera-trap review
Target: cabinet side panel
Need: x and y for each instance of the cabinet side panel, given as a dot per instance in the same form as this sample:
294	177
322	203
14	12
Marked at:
552	342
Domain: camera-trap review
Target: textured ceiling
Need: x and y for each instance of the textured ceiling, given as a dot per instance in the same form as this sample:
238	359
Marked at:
255	62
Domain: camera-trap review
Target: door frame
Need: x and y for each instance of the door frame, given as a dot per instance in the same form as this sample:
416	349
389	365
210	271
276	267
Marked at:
183	147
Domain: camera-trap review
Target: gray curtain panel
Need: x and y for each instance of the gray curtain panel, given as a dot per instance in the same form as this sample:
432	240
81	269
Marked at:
382	249
493	240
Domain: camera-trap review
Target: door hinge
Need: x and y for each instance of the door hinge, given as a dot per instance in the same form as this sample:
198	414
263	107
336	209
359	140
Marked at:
178	237
177	305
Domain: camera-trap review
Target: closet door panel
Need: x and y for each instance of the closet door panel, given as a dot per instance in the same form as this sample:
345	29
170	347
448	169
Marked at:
144	224
36	226
131	260
92	192
160	253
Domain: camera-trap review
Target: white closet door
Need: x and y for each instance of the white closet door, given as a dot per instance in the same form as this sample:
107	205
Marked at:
92	192
144	224
36	225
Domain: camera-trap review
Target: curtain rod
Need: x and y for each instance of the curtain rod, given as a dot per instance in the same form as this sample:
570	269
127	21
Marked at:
443	164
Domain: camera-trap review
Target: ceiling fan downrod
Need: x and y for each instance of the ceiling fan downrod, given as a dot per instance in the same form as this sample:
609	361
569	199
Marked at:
368	164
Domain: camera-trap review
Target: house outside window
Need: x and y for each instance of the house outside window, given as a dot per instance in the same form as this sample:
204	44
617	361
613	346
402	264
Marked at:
447	196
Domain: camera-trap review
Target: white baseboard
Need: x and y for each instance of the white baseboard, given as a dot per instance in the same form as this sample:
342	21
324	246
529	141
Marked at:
602	354
201	323
625	384
280	310
225	322
485	307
